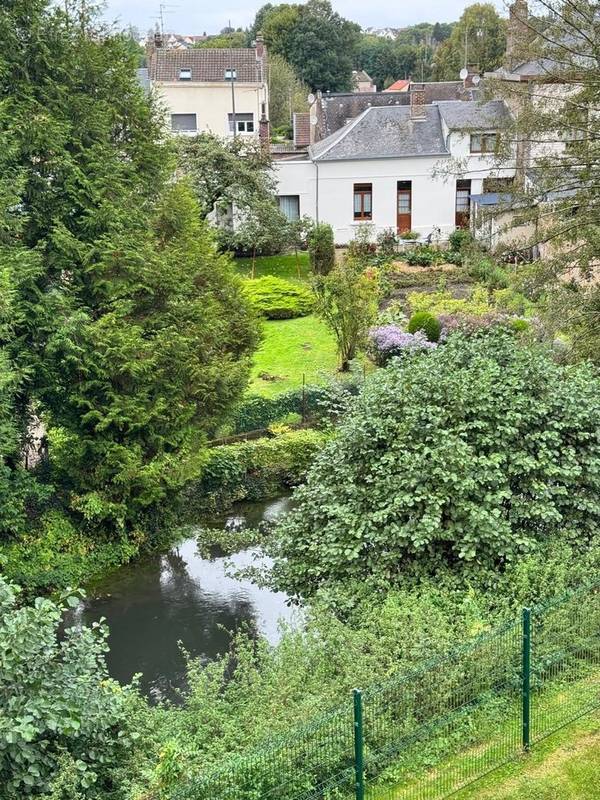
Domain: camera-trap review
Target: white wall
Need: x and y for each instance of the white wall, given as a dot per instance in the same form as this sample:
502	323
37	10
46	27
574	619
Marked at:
211	102
433	190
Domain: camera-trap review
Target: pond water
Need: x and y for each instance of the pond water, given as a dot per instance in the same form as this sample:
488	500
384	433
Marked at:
160	600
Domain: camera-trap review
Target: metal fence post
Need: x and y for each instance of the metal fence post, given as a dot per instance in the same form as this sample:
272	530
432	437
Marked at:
359	767
526	679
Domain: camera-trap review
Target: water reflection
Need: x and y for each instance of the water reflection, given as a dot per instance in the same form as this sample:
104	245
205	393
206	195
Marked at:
159	601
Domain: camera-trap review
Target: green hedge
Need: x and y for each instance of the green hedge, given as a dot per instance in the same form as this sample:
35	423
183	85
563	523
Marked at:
256	412
254	470
275	298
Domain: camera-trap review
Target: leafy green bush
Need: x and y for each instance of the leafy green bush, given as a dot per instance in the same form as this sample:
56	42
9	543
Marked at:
474	454
58	704
255	469
425	256
56	553
459	240
409	236
519	325
426	322
275	298
321	248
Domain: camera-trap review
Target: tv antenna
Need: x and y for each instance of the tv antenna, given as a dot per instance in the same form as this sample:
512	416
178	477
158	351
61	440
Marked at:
164	9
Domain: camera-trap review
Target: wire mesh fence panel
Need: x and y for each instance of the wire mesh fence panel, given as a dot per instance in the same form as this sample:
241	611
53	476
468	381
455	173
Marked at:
426	734
316	763
565	661
442	727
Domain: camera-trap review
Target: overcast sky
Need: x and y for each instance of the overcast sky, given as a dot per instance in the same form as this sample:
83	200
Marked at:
197	16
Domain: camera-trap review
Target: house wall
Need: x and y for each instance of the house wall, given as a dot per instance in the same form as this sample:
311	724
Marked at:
211	102
433	190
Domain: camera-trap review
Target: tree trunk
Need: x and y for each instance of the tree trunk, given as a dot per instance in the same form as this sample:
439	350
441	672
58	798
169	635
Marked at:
254	262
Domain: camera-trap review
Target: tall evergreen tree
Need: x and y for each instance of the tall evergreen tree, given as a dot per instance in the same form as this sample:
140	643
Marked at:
128	325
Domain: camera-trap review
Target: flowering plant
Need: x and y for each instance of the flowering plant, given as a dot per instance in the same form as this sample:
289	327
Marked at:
387	341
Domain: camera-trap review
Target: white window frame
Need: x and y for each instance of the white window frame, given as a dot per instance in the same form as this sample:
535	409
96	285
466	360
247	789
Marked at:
185	74
244	126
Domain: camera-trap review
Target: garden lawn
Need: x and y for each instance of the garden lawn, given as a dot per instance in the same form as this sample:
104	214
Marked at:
566	766
282	266
291	348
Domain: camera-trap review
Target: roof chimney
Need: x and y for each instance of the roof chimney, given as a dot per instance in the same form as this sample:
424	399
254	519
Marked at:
417	101
517	33
260	46
264	128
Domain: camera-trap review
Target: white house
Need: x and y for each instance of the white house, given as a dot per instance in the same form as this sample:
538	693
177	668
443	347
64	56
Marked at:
406	167
212	90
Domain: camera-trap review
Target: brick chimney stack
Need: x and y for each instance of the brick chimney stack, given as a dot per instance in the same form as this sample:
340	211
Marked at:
417	101
264	128
260	46
518	33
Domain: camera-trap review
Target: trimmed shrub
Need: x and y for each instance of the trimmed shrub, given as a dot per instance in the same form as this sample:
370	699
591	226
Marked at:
427	323
321	249
275	298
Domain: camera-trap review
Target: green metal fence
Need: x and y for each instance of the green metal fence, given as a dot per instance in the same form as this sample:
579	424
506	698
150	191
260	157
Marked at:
429	732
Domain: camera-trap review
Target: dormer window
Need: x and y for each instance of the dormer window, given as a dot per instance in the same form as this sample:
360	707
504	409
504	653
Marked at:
483	142
230	75
185	74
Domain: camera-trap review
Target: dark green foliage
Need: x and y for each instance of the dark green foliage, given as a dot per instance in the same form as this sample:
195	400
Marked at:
316	41
253	470
426	322
387	244
321	248
129	336
275	298
483	32
473	454
424	256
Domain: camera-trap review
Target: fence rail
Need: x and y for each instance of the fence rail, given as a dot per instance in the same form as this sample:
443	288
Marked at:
428	733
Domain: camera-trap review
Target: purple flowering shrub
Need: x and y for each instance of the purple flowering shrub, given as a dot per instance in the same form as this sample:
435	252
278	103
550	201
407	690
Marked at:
387	341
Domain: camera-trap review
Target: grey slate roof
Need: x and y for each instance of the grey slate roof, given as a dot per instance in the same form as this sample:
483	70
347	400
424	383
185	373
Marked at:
475	116
338	108
384	133
206	64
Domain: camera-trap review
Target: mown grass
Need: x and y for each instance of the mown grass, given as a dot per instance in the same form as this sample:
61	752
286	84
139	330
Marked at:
566	766
291	348
283	266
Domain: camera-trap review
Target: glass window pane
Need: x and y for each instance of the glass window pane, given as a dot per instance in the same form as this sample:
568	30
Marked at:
183	122
290	206
367	203
357	204
475	143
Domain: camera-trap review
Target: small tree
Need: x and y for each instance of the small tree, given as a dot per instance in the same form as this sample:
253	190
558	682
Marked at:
297	234
262	229
321	248
347	303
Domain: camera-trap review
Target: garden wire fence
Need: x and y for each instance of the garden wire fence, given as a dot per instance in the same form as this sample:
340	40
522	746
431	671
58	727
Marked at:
432	731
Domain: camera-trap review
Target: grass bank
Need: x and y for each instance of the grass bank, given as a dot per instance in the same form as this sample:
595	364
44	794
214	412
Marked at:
291	348
282	266
564	767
